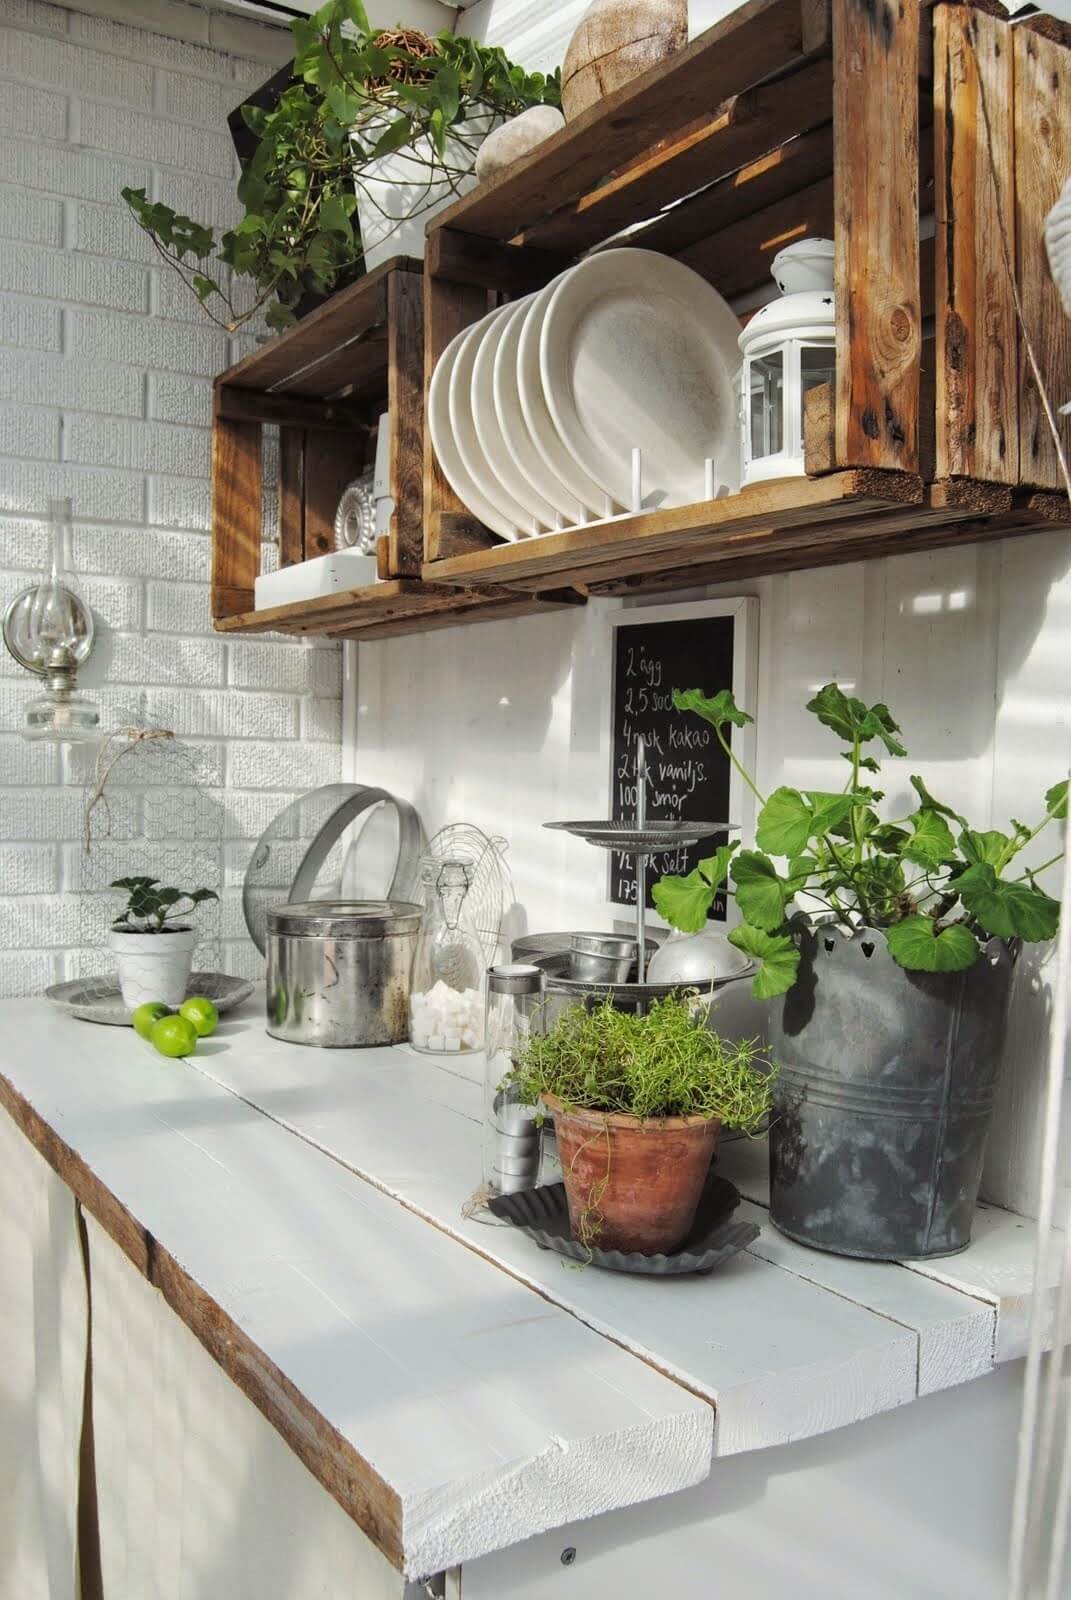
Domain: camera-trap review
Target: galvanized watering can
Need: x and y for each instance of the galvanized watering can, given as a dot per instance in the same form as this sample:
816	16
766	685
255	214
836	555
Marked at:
884	1101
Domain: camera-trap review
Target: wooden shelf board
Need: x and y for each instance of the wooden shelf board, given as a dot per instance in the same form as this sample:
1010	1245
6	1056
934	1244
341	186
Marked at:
397	606
688	534
760	38
340	345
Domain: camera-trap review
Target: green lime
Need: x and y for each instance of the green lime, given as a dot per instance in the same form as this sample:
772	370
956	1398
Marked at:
174	1036
202	1013
145	1016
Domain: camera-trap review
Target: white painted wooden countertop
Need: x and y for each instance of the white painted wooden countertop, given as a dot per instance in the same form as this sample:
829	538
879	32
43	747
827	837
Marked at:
489	1410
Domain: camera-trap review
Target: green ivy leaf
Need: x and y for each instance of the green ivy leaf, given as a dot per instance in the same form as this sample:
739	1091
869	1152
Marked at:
333	217
684	902
716	709
785	823
760	893
1008	910
776	954
976	847
400	132
931	843
203	287
1056	799
915	945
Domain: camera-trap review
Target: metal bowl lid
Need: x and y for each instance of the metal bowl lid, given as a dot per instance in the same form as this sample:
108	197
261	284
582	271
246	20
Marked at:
344	919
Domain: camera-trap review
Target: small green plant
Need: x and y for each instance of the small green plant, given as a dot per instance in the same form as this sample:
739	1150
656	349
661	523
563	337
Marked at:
665	1064
939	887
362	93
151	907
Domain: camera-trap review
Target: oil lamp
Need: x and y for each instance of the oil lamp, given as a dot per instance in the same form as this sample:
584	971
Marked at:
48	628
787	349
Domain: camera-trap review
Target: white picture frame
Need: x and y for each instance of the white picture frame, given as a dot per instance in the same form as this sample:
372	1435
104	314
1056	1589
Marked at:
744	610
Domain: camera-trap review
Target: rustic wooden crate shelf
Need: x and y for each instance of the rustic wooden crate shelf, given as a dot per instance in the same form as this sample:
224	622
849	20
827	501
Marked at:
324	384
778	123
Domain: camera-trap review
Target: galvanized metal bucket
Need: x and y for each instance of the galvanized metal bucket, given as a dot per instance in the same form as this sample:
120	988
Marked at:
884	1100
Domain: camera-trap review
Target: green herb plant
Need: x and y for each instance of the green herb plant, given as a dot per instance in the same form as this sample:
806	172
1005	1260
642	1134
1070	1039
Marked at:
938	887
665	1064
152	908
361	93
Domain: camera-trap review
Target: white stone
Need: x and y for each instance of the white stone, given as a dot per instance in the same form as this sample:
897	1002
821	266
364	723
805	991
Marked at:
515	139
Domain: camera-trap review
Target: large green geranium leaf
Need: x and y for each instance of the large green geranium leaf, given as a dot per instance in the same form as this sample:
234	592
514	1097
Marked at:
931	841
1009	910
975	847
914	944
928	803
760	893
1056	799
878	724
776	954
684	902
850	719
715	868
785	823
829	810
717	709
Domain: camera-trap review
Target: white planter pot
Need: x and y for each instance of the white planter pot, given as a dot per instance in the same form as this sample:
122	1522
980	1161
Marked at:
398	193
153	966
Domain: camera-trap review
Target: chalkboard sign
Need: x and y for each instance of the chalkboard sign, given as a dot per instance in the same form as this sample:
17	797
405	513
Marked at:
688	774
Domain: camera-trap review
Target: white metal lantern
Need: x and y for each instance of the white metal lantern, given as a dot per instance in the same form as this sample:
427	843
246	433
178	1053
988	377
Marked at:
787	349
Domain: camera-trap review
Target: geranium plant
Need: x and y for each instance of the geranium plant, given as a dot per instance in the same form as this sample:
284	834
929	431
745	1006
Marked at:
362	93
937	887
153	908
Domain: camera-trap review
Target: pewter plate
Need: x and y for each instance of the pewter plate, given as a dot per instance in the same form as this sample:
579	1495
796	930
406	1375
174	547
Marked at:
99	999
652	839
544	1216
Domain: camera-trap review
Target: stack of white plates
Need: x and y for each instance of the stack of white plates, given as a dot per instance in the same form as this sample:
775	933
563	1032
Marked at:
536	411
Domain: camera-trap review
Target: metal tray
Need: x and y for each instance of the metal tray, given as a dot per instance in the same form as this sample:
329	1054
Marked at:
544	1216
653	838
99	999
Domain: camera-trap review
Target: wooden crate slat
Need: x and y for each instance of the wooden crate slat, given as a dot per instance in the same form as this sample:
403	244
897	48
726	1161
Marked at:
788	502
748	126
347	315
405	398
875	96
739	257
448	307
236	513
759	38
977	333
396	606
772	177
330	464
291	496
357	366
1042	163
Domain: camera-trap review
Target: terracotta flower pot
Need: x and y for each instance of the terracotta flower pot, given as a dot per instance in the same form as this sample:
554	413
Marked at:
632	1184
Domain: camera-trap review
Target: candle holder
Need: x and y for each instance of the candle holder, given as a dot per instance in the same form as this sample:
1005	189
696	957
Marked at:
48	629
788	348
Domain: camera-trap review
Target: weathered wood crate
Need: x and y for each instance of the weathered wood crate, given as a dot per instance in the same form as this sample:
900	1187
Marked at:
324	384
790	118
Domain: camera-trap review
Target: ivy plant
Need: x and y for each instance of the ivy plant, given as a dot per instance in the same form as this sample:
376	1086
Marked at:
938	887
361	93
151	906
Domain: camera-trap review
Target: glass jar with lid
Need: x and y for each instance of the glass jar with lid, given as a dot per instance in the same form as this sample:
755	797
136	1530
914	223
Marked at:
446	997
511	1135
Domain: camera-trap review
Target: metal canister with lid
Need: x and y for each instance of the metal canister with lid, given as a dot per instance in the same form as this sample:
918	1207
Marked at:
511	1133
339	971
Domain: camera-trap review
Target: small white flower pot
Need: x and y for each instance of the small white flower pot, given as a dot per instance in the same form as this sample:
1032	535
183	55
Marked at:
153	966
399	192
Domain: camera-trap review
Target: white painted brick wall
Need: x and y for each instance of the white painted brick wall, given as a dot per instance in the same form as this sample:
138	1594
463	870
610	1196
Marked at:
105	395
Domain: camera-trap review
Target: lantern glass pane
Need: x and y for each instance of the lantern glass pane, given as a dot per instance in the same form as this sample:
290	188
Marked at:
767	380
816	366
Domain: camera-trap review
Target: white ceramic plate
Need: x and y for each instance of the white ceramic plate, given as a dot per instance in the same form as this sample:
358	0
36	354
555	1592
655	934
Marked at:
446	451
548	442
636	349
512	426
485	416
468	441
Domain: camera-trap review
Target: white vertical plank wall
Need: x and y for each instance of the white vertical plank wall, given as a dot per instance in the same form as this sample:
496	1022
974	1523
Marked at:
197	1493
507	725
43	1330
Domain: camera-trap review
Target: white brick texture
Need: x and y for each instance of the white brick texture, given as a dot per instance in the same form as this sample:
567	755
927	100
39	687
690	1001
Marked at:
106	369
